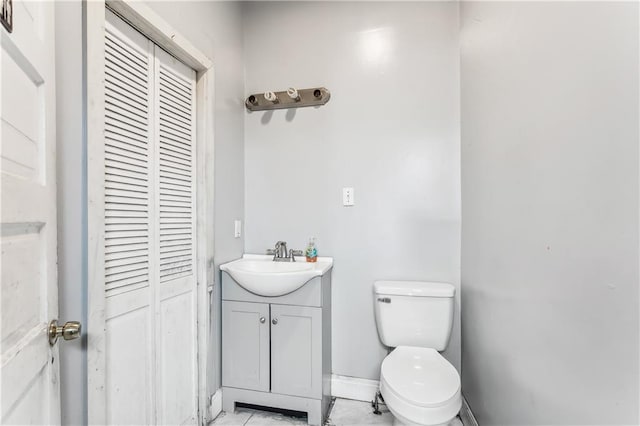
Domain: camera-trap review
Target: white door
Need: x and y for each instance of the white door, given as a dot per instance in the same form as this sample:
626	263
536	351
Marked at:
29	290
149	247
175	240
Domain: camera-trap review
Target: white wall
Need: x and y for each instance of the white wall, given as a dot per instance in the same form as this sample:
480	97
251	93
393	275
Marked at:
391	131
216	29
550	212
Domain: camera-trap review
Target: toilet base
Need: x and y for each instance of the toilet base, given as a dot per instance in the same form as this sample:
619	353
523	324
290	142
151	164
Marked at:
454	422
407	414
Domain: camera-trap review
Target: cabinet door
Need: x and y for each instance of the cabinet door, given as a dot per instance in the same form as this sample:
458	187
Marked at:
245	345
296	350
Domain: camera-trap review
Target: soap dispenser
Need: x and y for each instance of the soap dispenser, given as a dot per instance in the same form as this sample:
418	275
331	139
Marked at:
311	251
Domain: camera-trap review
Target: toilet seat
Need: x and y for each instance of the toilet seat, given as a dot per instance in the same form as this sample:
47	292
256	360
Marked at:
419	386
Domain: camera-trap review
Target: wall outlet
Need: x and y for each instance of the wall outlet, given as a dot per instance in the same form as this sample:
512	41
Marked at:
347	197
237	228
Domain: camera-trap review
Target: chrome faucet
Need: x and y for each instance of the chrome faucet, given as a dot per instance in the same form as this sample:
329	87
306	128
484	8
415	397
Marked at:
280	253
281	249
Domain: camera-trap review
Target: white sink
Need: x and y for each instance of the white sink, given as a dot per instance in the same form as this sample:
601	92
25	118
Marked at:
262	276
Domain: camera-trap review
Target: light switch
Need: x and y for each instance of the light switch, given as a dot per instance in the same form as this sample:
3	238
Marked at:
238	228
347	197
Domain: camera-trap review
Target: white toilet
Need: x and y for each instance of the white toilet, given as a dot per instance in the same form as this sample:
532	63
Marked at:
418	385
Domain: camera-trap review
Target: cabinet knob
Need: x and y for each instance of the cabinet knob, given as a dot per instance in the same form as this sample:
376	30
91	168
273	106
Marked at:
274	321
262	320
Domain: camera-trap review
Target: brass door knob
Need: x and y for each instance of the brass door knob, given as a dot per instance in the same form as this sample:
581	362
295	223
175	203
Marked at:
69	331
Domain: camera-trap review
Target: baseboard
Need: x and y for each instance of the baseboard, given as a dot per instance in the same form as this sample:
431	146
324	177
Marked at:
466	415
216	404
353	388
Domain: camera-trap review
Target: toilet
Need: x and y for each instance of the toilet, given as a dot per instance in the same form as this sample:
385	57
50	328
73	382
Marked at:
418	385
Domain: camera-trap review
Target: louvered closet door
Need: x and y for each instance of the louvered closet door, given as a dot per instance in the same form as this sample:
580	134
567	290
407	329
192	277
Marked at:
175	249
150	280
129	278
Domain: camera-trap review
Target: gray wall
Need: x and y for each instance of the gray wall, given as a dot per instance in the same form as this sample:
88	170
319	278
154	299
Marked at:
72	220
550	212
216	29
391	131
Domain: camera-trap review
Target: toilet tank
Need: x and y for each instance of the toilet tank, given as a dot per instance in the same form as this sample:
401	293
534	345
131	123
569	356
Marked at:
414	313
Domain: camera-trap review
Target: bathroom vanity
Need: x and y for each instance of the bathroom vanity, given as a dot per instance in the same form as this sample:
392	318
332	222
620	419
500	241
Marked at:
276	348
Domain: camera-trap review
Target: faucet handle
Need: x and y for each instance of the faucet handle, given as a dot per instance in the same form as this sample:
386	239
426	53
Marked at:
271	251
293	253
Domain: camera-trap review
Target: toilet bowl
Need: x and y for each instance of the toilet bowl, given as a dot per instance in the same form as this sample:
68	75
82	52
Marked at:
420	387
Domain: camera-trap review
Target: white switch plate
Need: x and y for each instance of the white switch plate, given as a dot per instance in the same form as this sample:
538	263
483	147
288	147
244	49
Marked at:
237	228
347	197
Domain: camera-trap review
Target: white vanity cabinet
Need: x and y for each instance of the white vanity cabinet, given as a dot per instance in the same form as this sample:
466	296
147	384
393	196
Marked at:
276	351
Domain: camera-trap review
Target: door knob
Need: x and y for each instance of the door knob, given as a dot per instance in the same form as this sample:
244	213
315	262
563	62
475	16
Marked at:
274	321
262	320
69	331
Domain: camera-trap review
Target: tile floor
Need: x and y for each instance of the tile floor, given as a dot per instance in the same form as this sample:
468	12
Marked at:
345	412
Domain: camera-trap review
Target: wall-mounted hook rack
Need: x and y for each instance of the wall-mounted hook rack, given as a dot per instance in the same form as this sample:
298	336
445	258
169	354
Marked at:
291	98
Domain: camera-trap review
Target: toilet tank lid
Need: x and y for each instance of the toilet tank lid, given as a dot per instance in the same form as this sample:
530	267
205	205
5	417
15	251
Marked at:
414	288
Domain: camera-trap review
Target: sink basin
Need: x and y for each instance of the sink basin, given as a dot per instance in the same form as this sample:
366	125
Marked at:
262	267
262	276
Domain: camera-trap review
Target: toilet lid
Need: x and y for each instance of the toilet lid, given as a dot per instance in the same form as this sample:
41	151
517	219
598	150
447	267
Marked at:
420	376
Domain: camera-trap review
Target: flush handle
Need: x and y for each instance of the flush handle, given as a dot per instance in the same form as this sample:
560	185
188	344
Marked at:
384	299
